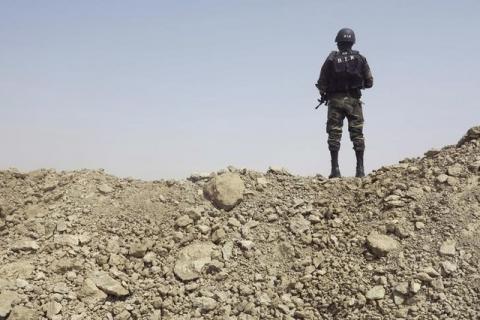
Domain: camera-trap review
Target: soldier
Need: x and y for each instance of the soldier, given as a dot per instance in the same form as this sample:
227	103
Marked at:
343	75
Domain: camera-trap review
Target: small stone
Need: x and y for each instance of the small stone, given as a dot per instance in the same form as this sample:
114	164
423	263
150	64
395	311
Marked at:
452	181
195	177
66	240
424	277
218	235
116	260
299	224
25	245
272	217
398	298
414	300
376	293
402	232
107	284
138	249
84	238
432	152
414	287
381	244
149	257
246	244
448	248
402	288
113	245
475	167
314	218
262	181
71	275
401	313
227	250
104	189
124	315
431	271
195	213
49	185
437	284
61	226
278	170
419	225
65	264
442	178
203	228
61	288
157	303
448	267
455	170
51	309
234	223
21	283
183	221
204	303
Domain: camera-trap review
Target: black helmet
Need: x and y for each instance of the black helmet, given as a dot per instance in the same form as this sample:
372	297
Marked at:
345	35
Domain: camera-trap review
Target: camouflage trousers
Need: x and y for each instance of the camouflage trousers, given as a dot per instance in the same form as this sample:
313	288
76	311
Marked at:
339	107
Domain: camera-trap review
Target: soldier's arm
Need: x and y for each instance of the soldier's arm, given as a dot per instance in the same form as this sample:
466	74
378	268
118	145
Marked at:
367	74
322	83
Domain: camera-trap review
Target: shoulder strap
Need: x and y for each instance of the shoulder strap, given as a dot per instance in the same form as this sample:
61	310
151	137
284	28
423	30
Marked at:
332	55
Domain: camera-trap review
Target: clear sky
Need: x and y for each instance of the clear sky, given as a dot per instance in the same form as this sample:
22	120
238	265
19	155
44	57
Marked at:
161	89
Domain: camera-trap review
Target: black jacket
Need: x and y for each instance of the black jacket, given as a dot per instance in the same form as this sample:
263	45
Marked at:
345	72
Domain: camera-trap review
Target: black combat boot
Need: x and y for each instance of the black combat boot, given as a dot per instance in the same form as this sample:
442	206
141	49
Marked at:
360	171
335	169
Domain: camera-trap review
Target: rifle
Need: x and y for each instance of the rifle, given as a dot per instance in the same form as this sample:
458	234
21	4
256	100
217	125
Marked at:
323	97
322	100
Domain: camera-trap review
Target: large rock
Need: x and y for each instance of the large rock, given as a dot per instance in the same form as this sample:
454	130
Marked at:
225	191
107	284
23	313
18	269
90	294
7	299
472	134
191	260
381	244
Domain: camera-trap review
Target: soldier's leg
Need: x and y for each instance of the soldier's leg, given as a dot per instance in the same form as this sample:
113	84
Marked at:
334	130
355	127
334	126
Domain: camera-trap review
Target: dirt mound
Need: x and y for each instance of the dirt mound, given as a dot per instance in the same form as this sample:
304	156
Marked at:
401	243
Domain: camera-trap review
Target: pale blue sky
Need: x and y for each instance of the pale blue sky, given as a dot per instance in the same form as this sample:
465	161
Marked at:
161	89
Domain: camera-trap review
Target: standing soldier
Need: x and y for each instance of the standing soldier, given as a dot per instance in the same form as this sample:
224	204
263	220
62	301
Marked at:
343	75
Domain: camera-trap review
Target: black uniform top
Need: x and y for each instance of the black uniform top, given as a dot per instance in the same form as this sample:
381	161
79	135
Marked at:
345	72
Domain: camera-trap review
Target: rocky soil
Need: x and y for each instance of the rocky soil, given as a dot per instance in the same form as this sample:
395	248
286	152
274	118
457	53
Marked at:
402	243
